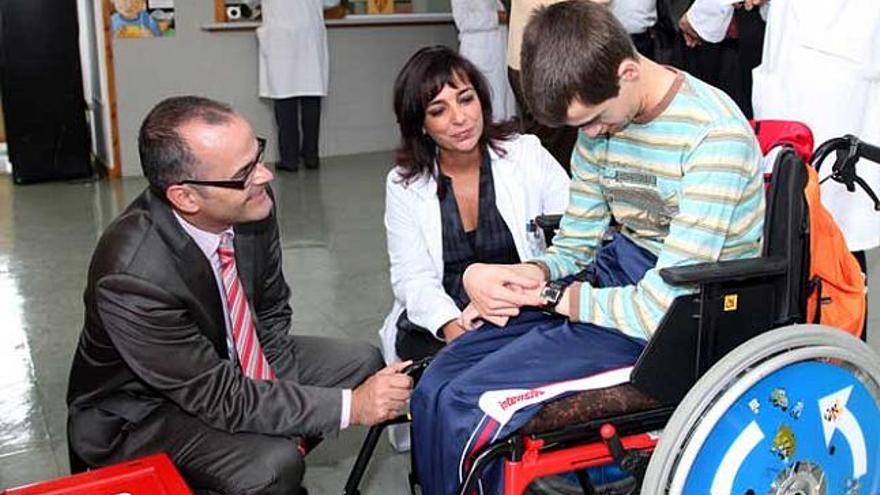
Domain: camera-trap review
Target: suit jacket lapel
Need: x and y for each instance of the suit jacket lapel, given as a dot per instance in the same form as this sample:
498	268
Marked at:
244	260
194	269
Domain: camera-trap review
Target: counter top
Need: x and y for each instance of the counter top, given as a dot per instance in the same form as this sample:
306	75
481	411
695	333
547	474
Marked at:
353	20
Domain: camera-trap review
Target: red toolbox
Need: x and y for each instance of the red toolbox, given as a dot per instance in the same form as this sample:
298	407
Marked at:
151	475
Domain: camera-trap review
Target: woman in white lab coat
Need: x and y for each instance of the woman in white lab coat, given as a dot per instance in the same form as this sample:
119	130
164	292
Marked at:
294	73
483	41
463	190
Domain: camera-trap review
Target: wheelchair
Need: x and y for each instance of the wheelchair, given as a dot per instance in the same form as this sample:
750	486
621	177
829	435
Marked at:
733	394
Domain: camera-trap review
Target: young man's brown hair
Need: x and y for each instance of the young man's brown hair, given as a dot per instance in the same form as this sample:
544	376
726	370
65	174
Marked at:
571	50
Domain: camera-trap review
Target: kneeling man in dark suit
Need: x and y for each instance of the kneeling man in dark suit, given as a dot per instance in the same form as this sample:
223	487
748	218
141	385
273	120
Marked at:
185	347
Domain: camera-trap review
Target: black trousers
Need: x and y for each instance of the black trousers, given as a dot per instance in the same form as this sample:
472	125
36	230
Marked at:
213	461
291	116
558	141
644	43
728	65
416	343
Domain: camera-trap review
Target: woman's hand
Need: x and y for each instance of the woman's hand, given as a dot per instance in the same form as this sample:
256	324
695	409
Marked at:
691	37
500	290
750	4
471	320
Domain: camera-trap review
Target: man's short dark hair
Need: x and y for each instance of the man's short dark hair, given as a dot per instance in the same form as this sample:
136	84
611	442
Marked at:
166	159
571	50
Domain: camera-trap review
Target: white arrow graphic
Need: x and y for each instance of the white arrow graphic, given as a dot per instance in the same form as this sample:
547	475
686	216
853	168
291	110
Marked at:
835	416
747	440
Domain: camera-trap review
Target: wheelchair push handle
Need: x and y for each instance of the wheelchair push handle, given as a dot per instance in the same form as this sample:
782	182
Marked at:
417	366
849	150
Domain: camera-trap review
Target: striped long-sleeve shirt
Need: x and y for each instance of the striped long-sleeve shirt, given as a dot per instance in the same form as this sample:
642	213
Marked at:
686	186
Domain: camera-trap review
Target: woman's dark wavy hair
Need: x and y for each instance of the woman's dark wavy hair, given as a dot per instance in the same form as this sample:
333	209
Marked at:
421	79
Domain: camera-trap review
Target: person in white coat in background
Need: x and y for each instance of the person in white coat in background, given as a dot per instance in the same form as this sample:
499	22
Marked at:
820	66
294	73
483	41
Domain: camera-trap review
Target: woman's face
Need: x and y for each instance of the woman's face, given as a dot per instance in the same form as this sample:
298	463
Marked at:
454	118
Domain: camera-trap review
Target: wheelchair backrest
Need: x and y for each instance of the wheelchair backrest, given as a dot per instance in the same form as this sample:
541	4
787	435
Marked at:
787	233
699	329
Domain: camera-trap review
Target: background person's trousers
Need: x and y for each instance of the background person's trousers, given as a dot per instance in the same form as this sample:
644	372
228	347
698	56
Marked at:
490	382
291	116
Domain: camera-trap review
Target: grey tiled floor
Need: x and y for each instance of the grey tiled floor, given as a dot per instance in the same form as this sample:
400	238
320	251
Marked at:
334	252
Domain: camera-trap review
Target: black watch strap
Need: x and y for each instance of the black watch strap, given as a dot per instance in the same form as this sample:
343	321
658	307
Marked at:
552	294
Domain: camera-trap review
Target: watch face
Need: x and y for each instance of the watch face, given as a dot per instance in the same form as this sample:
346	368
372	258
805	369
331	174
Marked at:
551	294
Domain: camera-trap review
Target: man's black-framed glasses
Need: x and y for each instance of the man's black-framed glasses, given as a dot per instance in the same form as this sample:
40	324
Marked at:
241	178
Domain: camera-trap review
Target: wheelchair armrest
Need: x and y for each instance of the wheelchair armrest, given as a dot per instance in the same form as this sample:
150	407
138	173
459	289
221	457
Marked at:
548	224
725	271
548	221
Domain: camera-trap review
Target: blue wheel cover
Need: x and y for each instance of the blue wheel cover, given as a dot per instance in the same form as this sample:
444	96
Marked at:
783	420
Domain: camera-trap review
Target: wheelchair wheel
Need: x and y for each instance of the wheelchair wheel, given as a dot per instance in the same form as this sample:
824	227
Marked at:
795	411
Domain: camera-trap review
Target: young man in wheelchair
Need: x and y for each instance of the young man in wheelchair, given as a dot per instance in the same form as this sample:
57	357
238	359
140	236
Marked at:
674	162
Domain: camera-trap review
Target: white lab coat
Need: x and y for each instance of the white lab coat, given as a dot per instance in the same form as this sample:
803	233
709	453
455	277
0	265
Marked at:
484	42
821	66
528	182
710	18
293	49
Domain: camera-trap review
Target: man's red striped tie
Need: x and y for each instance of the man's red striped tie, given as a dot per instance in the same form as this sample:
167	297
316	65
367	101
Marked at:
244	331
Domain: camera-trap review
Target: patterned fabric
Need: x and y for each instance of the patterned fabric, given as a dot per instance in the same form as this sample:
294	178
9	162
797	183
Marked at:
493	242
589	405
686	185
244	331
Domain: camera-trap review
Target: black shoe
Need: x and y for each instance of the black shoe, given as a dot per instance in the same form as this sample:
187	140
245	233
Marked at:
312	164
287	167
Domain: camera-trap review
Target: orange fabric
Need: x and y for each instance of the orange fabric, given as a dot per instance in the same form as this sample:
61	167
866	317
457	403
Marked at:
836	276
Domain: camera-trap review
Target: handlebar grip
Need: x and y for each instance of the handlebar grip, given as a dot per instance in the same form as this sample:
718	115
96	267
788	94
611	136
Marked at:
417	365
869	152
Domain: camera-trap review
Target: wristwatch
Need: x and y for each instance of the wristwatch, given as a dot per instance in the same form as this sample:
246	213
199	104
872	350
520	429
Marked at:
552	293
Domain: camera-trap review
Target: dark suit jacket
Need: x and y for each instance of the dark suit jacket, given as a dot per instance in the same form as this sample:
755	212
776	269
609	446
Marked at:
154	334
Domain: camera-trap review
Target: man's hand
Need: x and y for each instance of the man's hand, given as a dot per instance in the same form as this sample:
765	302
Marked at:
691	37
382	396
564	304
750	4
500	290
453	330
